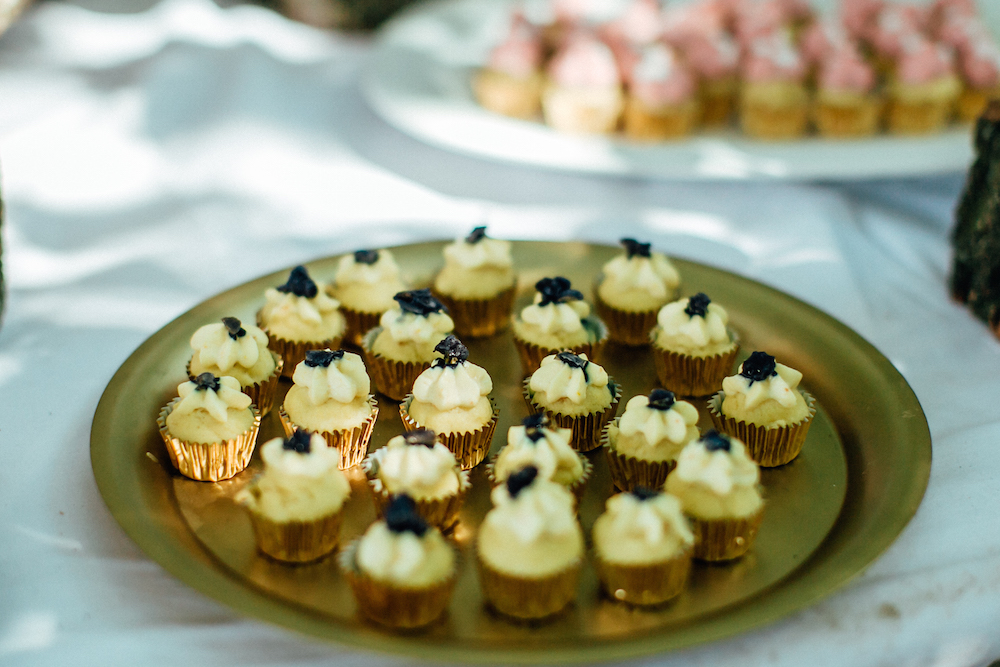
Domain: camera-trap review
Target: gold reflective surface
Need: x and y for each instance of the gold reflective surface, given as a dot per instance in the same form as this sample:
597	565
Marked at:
829	513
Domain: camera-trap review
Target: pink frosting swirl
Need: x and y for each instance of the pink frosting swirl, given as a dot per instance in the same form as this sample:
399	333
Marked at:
921	61
773	58
659	78
893	25
822	38
584	61
759	18
845	69
857	15
682	22
980	63
641	23
712	55
521	53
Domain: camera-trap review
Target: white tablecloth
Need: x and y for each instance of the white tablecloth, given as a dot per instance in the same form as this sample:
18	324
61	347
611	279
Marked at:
154	158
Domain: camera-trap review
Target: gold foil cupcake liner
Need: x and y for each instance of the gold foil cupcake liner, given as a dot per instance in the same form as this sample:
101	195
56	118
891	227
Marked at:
587	429
470	447
529	598
260	393
296	541
628	472
576	488
725	539
647	584
626	327
359	323
480	318
392	378
441	512
531	355
692	376
769	447
352	443
209	462
394	606
294	351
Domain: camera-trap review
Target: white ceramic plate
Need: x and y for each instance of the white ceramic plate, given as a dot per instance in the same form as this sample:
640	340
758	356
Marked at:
418	81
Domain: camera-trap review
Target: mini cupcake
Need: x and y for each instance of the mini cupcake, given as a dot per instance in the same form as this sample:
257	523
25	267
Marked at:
643	547
979	65
583	93
402	346
418	465
575	393
401	571
537	443
923	88
477	284
452	399
364	285
662	100
330	396
298	316
631	290
719	489
763	406
530	547
846	104
210	429
693	349
295	504
558	319
643	444
773	99
511	81
240	351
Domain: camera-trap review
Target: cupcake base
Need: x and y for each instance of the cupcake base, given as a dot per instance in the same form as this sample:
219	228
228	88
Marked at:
359	323
774	123
972	103
644	585
847	122
915	118
479	318
628	472
392	378
624	326
296	541
352	443
725	539
587	429
648	123
769	447
692	376
582	110
470	447
528	598
517	97
210	462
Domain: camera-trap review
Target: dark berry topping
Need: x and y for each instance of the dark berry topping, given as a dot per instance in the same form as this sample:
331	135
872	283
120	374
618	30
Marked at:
758	367
300	284
521	479
234	327
697	305
556	290
642	493
574	361
420	436
534	426
661	399
419	302
476	235
401	515
207	381
635	249
366	256
715	441
299	442
452	350
324	358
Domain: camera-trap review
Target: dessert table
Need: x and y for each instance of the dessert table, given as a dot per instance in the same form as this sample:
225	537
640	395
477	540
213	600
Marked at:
156	156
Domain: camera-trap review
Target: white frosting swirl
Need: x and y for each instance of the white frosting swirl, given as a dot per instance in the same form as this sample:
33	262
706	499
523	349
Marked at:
410	327
654	275
452	386
422	472
215	403
551	454
646	522
285	306
485	252
719	470
350	271
215	347
320	461
556	380
694	330
542	509
657	425
780	388
403	557
556	318
343	380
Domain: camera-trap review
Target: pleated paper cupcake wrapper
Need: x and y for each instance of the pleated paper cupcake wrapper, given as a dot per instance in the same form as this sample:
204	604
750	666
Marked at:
358	324
531	355
296	541
352	443
210	462
627	327
440	512
628	472
725	539
260	393
392	378
469	448
644	585
576	488
294	351
587	429
529	597
479	318
390	605
769	447
692	376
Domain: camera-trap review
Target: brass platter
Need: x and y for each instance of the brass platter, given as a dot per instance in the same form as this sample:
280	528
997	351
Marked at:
830	513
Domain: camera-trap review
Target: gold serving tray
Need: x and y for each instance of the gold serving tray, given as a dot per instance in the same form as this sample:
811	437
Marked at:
830	513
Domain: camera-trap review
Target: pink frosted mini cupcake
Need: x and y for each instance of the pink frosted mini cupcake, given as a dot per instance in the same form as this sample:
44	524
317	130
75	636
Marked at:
892	26
922	89
583	93
846	104
979	67
511	82
773	99
662	100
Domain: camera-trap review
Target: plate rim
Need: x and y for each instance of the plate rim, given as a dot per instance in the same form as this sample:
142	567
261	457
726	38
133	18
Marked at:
196	566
